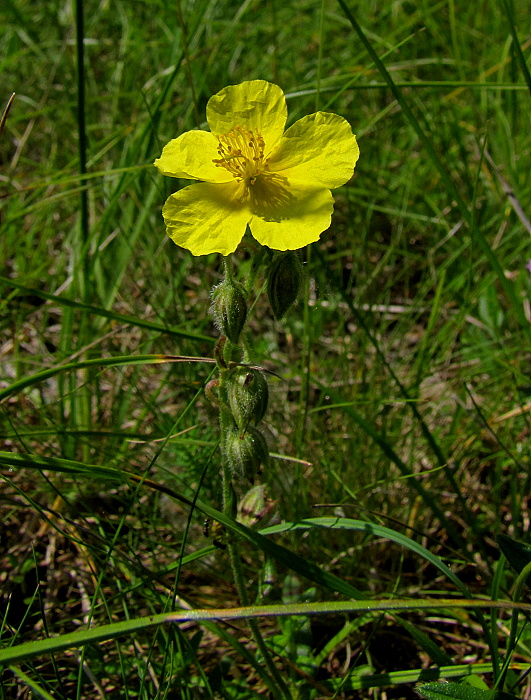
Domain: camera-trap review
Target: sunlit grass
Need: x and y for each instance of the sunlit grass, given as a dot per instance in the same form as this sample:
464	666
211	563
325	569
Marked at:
404	383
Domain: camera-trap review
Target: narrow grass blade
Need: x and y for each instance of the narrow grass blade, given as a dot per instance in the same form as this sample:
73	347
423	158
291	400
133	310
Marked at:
97	362
93	635
376	531
98	311
436	654
516	44
84	267
379	680
37	690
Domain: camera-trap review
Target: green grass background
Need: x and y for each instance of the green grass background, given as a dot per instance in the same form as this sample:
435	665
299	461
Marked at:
404	366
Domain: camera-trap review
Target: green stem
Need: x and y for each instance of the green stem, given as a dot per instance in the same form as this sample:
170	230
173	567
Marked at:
227	268
225	420
305	366
239	580
226	423
82	144
81	413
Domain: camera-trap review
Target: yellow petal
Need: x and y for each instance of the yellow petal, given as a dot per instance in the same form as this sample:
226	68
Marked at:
320	149
207	218
256	104
191	156
288	216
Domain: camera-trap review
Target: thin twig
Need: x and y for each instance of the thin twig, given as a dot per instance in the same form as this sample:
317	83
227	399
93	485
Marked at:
6	112
509	193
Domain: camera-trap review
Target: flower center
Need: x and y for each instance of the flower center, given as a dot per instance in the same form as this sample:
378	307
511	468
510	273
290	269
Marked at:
241	152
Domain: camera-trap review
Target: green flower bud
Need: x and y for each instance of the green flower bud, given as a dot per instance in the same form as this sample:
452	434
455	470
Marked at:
254	505
246	453
229	308
248	396
283	282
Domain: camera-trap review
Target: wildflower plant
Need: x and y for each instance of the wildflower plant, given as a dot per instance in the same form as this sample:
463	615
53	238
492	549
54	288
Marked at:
252	174
415	405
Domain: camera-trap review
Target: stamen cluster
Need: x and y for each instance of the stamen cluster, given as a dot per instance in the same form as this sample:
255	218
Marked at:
241	152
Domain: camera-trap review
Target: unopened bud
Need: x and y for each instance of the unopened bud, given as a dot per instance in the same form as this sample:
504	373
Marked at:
229	309
248	396
283	282
254	505
247	453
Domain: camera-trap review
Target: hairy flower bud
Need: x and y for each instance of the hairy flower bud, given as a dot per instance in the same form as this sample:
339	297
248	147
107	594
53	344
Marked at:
248	396
229	309
246	453
283	282
254	505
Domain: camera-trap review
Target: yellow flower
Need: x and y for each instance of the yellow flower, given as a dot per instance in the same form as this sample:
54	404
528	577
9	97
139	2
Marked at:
254	173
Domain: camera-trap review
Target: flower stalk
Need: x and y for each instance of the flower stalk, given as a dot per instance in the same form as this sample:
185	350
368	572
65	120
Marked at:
241	396
252	175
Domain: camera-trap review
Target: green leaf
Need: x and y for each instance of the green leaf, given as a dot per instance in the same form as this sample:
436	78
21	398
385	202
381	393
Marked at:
437	691
517	554
476	682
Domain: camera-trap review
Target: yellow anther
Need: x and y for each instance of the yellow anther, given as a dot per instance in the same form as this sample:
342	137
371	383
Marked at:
241	152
